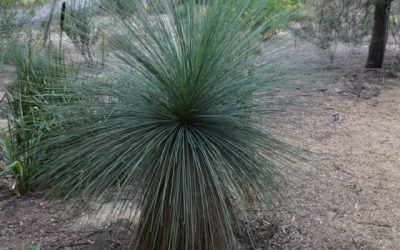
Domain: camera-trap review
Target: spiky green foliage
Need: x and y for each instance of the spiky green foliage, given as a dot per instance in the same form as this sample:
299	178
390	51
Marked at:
170	129
11	163
39	83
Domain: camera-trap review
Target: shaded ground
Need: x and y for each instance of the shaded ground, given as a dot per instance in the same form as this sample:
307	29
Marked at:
33	221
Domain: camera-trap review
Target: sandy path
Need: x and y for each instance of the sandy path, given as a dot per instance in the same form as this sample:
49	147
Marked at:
353	200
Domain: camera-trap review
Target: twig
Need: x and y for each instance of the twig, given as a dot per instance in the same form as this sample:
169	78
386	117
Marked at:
373	224
2	99
77	243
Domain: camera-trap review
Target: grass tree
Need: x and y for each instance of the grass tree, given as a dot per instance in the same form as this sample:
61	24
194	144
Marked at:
169	126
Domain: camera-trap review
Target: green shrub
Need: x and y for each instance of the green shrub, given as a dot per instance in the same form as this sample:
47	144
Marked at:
276	14
39	85
14	17
11	25
169	128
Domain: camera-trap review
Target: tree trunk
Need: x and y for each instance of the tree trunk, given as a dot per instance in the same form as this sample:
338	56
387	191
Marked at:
47	32
380	34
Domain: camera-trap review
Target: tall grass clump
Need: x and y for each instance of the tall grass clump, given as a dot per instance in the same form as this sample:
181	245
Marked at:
38	85
170	129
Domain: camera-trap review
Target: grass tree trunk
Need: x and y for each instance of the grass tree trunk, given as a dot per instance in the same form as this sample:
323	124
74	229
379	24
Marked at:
380	34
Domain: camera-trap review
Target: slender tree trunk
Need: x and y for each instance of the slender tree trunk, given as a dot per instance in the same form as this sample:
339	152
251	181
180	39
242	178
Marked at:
47	32
380	34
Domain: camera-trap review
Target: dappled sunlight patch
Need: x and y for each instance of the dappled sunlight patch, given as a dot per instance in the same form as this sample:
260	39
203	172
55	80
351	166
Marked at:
103	214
